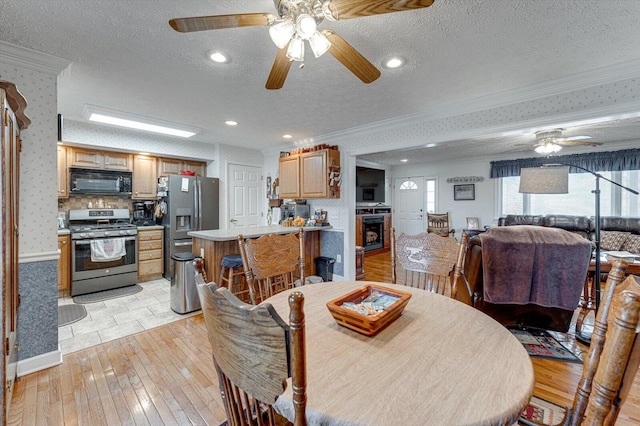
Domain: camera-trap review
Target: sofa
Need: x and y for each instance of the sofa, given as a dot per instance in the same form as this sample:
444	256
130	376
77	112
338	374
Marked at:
617	233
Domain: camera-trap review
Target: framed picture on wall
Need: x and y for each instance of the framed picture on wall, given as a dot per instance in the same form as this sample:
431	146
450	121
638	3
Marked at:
464	192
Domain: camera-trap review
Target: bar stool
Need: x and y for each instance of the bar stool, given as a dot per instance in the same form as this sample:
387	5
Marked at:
232	276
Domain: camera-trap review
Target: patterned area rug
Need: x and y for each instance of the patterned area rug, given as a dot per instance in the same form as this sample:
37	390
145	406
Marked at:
539	343
68	314
99	296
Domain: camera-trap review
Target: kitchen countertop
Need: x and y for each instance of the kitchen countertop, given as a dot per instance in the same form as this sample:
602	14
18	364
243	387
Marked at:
64	231
150	227
250	232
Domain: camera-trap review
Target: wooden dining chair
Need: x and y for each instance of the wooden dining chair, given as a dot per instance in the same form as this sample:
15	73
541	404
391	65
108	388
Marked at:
428	261
440	223
272	263
610	365
254	353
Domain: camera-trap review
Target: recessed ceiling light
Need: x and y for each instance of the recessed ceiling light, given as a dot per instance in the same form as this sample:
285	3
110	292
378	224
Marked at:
218	57
404	160
287	136
430	145
394	62
231	123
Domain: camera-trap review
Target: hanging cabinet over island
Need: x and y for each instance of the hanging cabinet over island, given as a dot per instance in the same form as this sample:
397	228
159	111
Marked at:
313	174
213	245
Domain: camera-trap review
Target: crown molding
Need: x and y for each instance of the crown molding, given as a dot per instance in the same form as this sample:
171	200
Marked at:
32	59
600	76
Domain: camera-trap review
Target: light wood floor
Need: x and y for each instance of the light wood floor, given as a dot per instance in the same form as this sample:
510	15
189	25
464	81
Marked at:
165	376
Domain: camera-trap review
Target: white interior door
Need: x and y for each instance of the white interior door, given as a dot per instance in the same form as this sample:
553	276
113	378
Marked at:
244	196
408	205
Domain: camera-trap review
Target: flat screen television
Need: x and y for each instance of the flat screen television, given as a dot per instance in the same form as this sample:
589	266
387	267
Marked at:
369	185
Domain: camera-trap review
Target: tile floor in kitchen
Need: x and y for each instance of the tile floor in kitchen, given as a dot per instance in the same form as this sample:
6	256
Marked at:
115	318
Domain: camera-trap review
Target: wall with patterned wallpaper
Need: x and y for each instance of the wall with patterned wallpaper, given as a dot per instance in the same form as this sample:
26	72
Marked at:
38	199
38	278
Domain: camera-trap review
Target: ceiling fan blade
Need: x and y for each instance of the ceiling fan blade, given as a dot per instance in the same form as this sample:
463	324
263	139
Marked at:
351	58
348	9
217	22
279	70
576	143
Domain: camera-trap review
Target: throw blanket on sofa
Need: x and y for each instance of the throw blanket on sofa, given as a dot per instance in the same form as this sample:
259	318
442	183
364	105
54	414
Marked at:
533	264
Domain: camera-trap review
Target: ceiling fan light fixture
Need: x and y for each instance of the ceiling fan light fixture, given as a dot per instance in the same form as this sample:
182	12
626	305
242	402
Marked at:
281	33
295	52
306	26
548	148
319	44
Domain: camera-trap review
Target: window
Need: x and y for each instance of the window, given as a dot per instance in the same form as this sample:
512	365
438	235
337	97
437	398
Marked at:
431	195
407	185
614	201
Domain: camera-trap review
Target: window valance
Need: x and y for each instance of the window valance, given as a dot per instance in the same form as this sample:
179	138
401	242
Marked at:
613	161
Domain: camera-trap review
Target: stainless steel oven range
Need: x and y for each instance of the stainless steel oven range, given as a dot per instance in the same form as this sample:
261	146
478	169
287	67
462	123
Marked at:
104	250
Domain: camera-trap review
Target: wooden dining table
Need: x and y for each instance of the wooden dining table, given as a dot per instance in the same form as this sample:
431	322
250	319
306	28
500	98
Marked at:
440	363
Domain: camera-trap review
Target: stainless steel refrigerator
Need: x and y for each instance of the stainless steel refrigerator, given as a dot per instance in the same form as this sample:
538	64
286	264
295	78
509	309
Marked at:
192	205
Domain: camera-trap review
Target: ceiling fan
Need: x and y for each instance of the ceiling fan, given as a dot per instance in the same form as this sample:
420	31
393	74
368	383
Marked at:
551	141
296	21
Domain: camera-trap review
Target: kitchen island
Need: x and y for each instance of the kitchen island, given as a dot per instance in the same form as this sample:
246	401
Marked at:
215	244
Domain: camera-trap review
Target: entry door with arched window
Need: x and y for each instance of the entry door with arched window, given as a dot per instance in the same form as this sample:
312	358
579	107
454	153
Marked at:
408	205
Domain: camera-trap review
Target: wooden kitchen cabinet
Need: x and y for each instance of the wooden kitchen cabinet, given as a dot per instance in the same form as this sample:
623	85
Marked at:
63	174
308	175
64	264
173	166
96	159
145	178
150	254
289	177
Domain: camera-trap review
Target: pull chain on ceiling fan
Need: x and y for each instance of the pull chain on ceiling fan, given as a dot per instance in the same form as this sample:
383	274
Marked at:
297	21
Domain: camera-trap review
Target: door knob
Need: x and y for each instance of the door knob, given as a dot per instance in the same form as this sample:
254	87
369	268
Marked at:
233	220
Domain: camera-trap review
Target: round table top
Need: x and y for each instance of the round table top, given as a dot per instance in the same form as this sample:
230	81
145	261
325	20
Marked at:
441	362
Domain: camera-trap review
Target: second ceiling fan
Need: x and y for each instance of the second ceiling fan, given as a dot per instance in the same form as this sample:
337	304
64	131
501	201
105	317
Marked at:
296	22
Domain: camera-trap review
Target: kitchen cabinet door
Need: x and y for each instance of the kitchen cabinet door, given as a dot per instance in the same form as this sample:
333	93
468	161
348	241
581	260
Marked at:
118	161
289	177
64	263
195	166
96	159
87	159
315	170
169	166
63	174
145	180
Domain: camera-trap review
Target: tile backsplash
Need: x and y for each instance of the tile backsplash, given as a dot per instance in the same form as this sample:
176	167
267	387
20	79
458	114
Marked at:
82	202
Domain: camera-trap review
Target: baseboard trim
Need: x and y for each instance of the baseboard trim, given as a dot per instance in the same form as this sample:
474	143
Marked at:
39	362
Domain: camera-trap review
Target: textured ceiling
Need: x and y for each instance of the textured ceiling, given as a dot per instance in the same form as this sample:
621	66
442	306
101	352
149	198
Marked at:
126	57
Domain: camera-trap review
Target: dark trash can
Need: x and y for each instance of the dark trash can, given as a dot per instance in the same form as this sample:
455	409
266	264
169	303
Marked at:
184	293
324	267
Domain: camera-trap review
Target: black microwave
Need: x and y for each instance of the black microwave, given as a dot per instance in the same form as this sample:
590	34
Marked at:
99	182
